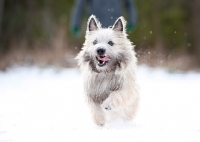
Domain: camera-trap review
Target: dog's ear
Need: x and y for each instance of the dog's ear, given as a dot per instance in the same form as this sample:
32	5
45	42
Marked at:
119	25
92	23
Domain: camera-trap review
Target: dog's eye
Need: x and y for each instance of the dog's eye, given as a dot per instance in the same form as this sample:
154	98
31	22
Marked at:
95	42
110	43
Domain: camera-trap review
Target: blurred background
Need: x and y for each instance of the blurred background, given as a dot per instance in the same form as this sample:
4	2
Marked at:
38	32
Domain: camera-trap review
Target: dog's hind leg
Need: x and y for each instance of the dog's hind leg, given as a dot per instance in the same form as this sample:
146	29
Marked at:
130	110
97	113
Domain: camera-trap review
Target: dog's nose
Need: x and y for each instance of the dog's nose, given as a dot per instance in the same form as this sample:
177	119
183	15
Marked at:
101	51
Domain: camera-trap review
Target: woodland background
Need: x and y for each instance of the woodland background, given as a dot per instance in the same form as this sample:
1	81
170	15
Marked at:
37	32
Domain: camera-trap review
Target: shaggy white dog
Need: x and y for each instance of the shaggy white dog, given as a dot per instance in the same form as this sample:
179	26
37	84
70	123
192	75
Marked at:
108	64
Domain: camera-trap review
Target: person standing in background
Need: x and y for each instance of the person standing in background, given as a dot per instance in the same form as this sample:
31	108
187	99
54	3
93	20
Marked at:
107	11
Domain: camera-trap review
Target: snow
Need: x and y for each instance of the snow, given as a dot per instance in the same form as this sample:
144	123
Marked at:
47	105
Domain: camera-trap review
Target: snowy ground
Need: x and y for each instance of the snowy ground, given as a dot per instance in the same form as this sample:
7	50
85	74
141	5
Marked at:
47	105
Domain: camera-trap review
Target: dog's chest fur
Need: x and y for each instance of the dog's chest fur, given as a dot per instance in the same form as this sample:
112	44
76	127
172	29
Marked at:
100	85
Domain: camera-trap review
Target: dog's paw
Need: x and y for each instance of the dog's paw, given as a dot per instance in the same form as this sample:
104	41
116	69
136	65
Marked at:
105	105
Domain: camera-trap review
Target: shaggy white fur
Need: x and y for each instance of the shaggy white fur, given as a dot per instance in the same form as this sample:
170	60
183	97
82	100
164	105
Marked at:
108	64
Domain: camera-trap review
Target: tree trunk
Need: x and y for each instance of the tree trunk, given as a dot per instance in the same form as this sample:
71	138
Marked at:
196	26
1	13
159	42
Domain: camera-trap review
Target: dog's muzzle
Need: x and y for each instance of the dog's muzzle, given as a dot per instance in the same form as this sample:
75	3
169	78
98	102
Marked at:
101	57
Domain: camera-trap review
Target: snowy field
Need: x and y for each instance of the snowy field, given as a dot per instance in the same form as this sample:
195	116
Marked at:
47	105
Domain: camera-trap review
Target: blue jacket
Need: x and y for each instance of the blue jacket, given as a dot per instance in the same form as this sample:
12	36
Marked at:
107	11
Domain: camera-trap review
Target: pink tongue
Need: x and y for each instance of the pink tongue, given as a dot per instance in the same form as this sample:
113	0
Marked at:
104	59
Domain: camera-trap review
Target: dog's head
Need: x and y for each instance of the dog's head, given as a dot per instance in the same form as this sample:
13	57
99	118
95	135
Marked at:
106	49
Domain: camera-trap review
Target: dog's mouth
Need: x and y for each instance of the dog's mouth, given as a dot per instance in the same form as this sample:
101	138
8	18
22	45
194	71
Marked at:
102	60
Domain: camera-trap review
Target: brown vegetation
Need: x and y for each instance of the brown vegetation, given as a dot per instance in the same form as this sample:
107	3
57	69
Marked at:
37	33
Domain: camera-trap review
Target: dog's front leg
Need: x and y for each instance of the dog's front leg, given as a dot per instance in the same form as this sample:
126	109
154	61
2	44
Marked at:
123	101
117	100
113	102
97	113
106	104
